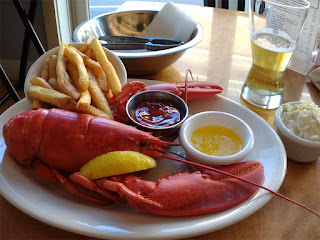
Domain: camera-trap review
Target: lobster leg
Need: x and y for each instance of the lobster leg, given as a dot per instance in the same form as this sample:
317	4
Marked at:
136	201
44	171
88	184
72	189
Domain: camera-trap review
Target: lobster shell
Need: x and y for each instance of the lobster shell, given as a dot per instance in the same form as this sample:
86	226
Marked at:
67	140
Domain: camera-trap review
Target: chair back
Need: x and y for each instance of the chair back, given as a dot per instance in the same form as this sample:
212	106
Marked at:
239	5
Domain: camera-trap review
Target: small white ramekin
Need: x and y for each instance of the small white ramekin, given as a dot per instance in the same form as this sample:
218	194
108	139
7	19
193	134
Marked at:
297	148
215	118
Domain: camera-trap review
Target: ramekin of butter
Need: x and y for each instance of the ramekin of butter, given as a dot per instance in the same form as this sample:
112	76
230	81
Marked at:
216	138
298	125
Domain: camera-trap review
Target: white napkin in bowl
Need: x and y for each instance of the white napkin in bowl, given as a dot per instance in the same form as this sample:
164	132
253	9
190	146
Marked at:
171	22
314	77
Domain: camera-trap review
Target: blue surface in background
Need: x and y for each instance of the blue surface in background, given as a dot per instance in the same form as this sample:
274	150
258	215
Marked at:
98	7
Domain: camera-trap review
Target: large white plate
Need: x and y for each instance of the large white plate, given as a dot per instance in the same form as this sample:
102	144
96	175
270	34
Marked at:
52	204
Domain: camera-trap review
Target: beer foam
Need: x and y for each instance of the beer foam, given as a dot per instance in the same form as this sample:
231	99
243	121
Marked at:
276	42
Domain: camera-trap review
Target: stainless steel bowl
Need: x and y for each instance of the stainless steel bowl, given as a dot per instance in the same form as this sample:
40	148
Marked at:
150	95
132	23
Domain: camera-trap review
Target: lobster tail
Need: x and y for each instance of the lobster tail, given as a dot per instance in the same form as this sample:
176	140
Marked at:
17	132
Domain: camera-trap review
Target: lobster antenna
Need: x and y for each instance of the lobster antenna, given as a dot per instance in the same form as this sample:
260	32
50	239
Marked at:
186	161
186	84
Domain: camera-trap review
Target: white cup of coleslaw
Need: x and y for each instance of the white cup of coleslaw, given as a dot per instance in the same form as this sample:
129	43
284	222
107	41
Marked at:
294	120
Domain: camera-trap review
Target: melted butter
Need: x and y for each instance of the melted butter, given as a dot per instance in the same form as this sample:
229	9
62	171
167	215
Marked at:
216	140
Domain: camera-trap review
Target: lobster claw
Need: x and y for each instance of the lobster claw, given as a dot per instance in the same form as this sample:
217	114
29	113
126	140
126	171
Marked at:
189	89
185	194
198	89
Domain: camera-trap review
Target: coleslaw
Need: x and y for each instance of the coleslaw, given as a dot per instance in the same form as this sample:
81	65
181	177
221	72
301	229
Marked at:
302	119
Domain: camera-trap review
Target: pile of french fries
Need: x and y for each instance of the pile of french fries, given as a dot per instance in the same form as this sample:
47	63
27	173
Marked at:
77	80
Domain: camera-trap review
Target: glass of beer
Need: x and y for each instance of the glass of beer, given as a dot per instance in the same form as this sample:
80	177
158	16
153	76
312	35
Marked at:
275	27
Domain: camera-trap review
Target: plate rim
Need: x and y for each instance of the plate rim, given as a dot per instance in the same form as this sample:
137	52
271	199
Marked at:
203	229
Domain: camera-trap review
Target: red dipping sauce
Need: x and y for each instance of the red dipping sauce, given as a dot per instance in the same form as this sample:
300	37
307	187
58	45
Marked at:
157	113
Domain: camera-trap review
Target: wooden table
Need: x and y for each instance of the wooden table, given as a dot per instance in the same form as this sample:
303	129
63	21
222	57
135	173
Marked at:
223	57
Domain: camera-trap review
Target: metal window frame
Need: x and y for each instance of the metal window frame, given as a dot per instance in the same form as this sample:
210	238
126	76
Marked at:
62	17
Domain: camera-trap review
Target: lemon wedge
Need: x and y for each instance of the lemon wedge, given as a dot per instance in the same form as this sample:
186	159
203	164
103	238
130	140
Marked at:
116	163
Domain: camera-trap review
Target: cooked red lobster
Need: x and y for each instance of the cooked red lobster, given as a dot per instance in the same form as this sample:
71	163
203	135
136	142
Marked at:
66	140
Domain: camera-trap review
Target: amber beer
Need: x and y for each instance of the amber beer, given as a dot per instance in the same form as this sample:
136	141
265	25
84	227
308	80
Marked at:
275	27
271	55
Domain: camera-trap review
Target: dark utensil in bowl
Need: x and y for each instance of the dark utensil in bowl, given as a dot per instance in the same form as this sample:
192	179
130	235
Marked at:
131	43
153	95
132	23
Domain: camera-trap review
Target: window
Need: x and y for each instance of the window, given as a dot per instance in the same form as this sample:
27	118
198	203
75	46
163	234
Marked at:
62	17
98	7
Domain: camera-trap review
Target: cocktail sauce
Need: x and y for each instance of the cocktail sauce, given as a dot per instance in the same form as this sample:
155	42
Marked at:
157	113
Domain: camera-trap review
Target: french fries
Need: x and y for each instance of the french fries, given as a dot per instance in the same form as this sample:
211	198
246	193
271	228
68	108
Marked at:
36	103
97	96
52	97
97	112
85	47
53	83
52	67
98	71
63	79
74	81
112	77
76	59
40	82
73	73
84	101
45	70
